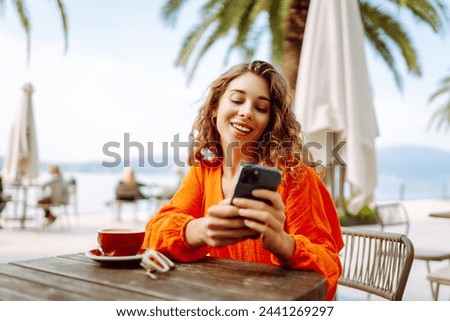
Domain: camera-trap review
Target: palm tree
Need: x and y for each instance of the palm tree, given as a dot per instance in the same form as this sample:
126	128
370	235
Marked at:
246	20
21	8
441	118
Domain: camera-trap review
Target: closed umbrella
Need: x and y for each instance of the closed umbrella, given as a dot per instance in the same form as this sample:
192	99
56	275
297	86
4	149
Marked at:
333	96
21	163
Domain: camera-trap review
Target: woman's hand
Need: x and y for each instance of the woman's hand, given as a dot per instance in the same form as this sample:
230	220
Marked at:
222	226
268	220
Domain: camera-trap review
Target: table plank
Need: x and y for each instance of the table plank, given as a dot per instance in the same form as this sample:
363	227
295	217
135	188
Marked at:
111	279
210	279
254	279
12	287
236	279
40	285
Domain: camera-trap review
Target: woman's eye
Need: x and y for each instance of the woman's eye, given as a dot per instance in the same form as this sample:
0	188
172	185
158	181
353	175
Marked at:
261	109
235	101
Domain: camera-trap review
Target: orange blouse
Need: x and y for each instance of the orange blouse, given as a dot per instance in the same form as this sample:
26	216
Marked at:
311	219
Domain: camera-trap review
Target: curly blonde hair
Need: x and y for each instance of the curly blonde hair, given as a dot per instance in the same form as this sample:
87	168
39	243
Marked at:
279	146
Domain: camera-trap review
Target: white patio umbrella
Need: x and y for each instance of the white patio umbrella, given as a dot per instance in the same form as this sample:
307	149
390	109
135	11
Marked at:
333	94
21	163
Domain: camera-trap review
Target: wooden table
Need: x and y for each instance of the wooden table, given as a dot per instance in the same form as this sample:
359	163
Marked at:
440	214
77	277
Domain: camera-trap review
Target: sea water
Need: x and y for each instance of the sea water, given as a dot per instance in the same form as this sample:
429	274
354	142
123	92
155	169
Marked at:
96	190
391	188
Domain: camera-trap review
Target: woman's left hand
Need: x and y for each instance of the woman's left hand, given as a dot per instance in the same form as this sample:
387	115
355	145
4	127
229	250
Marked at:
268	220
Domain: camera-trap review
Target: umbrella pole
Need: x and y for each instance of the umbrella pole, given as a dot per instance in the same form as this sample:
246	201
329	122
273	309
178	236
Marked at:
336	185
341	200
330	180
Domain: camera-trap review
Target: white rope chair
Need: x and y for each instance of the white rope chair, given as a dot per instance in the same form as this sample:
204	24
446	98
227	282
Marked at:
376	262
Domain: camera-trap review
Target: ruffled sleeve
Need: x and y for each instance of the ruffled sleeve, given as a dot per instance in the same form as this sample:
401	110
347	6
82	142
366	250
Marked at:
312	221
165	232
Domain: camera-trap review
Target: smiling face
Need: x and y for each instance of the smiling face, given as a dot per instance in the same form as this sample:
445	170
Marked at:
244	104
244	110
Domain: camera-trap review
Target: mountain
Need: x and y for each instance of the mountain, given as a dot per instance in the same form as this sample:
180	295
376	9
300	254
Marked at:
414	163
98	167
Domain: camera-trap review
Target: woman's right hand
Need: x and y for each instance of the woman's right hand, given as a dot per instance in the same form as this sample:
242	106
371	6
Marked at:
222	226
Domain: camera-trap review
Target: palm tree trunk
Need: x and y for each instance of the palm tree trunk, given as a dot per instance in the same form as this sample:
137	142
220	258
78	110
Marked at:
294	31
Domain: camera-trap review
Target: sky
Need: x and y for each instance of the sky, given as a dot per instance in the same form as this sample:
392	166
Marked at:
118	79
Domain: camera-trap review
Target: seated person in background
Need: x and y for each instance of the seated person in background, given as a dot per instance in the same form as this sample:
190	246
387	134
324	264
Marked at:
58	193
248	117
129	189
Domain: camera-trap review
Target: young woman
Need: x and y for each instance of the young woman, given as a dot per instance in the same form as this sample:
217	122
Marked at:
247	117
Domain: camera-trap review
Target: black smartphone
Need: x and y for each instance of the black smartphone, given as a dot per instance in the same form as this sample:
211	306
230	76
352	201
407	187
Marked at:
255	177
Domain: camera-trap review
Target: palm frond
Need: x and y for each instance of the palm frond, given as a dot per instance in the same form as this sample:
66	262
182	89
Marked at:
191	41
382	48
244	26
445	80
424	11
439	92
277	16
207	45
443	9
22	11
65	23
24	17
245	21
441	118
251	44
241	20
235	18
229	14
170	11
211	5
389	31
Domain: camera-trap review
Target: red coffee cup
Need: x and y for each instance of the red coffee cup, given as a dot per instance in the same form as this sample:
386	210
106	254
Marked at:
120	241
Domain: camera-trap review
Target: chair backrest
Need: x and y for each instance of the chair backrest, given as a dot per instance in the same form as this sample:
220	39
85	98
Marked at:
72	191
127	193
71	185
390	214
376	262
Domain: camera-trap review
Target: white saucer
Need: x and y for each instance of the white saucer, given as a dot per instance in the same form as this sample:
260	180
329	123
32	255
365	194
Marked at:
98	257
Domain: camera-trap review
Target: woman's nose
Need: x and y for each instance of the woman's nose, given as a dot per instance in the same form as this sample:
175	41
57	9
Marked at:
246	110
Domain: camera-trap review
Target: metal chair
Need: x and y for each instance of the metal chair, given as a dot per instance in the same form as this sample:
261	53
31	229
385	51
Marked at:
73	196
394	214
376	262
438	277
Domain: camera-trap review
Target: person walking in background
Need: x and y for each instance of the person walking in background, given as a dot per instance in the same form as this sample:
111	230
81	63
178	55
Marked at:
247	117
129	189
55	192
